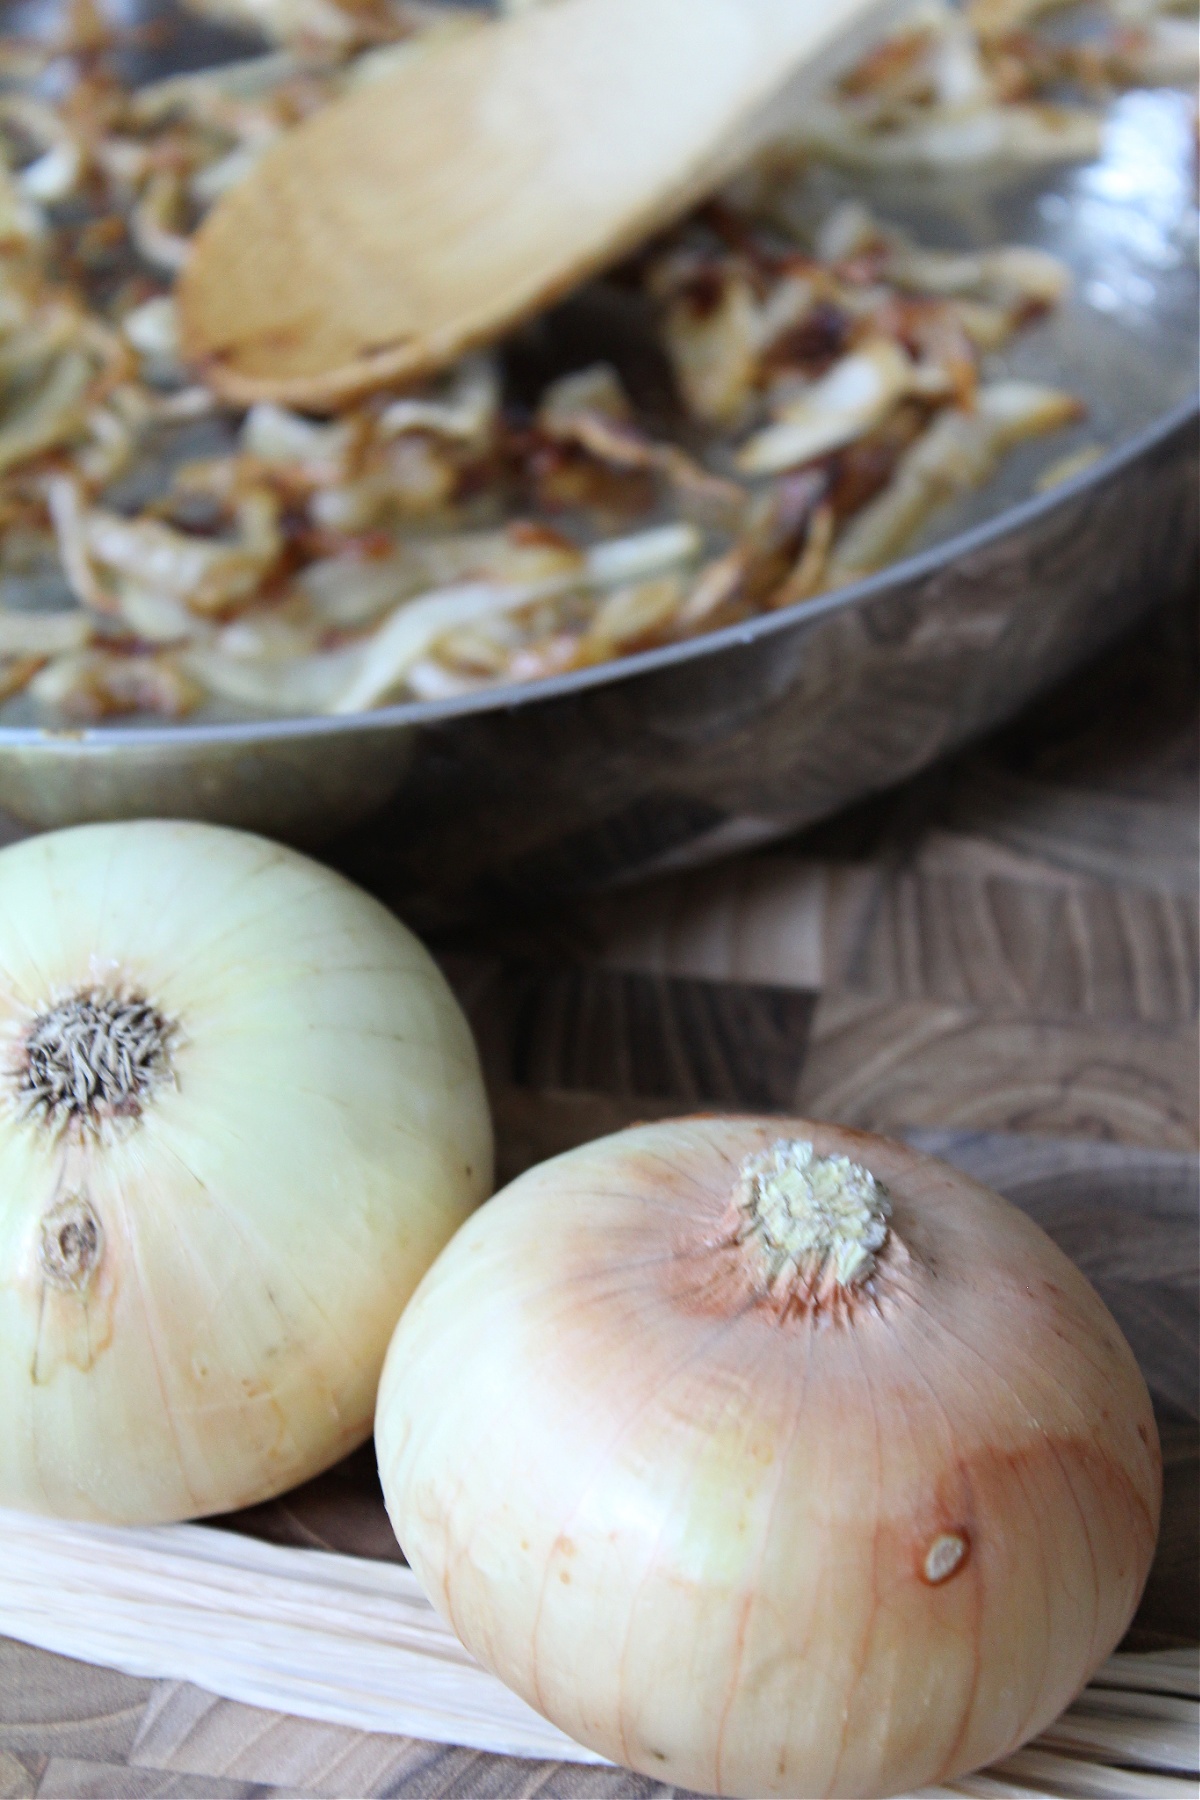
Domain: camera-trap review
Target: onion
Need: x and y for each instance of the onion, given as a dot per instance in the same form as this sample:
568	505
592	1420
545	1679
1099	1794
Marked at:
771	1466
21	220
848	401
1003	134
51	413
714	352
315	21
345	591
203	94
272	434
282	684
467	409
42	633
211	575
410	631
97	683
644	553
154	220
957	452
240	1113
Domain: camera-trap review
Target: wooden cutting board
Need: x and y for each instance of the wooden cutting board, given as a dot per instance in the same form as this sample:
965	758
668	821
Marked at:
999	960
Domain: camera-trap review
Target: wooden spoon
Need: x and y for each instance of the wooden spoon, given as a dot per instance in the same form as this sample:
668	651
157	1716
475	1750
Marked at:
429	210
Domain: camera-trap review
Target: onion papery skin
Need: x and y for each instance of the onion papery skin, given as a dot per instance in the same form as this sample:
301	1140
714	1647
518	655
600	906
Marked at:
211	1323
694	1529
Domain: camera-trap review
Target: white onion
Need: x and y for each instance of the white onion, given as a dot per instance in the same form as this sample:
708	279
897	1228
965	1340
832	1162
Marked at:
771	1470
240	1113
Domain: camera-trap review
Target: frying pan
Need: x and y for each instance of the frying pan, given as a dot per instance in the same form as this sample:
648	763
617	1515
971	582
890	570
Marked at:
683	754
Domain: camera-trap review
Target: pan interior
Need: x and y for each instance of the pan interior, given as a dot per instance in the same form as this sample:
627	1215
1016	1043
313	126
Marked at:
1123	341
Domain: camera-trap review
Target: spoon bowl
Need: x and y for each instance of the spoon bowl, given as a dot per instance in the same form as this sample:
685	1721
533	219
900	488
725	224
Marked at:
432	208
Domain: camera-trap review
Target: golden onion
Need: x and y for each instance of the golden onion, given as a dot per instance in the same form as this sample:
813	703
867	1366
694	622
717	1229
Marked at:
240	1114
768	1457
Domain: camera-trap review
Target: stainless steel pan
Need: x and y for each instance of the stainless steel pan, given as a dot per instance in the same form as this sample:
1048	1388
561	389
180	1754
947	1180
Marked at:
684	754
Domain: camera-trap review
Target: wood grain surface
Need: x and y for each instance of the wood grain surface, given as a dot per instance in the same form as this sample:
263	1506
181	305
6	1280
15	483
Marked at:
998	960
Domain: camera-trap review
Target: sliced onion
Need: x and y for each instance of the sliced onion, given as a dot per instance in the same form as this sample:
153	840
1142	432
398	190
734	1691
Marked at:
808	576
210	574
306	21
853	397
430	679
466	411
153	329
42	633
590	410
958	451
960	79
404	463
273	434
153	223
987	327
1014	134
715	355
585	393
20	219
298	684
1011	272
633	614
64	501
52	414
34	331
283	630
185	404
193	95
216	178
413	628
153	616
54	175
418	478
1015	410
346	591
1065	468
642	554
847	231
519	555
111	446
95	683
